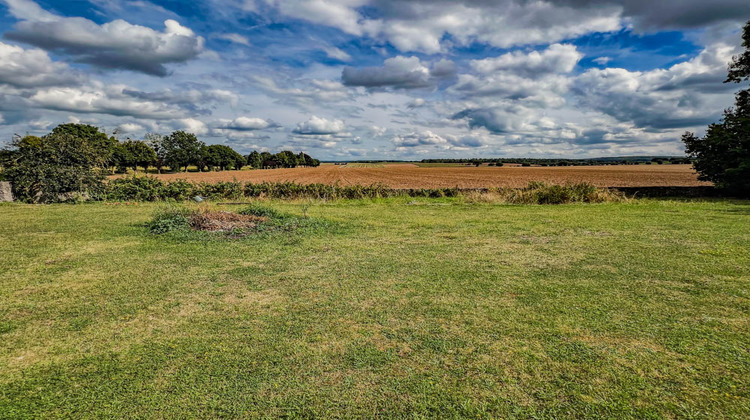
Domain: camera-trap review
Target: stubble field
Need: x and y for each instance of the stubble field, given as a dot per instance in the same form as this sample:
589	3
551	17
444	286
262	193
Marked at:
413	176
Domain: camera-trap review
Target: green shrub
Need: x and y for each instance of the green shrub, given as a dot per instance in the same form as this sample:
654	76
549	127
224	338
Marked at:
220	190
543	193
170	220
178	190
263	211
134	189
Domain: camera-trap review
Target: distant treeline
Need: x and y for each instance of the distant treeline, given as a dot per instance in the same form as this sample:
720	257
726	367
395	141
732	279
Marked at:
73	159
563	162
175	151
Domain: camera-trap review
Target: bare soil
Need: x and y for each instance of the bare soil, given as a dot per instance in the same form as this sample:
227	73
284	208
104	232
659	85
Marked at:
413	176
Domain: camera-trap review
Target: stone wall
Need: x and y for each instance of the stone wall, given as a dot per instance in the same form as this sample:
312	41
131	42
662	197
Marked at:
6	193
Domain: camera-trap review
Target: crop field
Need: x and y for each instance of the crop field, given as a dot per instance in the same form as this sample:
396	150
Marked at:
393	308
413	176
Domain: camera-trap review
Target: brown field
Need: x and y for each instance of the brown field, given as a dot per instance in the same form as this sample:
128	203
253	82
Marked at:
412	176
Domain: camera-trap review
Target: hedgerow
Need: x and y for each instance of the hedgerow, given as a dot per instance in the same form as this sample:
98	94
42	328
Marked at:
152	189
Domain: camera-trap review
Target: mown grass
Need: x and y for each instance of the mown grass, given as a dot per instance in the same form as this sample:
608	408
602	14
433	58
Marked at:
407	308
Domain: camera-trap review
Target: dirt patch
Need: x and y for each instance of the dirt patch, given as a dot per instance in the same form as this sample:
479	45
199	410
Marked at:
224	221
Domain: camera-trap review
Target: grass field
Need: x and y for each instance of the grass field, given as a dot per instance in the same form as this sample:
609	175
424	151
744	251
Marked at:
406	175
427	308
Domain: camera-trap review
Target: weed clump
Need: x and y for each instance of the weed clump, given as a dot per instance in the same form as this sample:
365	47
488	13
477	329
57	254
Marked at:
543	193
252	219
170	220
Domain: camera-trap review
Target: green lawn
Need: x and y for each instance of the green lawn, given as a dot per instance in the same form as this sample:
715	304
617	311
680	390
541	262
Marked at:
405	309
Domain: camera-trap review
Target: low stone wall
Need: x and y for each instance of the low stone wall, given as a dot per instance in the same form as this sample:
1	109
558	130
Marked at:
6	193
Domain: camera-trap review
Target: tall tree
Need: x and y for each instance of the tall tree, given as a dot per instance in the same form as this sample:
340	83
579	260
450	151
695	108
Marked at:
723	155
181	149
134	153
50	168
156	141
255	160
104	146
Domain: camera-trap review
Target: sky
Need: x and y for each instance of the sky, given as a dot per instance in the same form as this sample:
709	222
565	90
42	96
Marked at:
375	79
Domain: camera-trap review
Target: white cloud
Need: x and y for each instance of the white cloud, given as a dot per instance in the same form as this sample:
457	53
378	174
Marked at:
191	125
236	38
337	54
130	128
246	124
101	99
557	58
319	126
398	73
33	68
114	45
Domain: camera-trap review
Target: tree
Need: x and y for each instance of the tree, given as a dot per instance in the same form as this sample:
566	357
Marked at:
286	159
221	156
104	146
723	155
181	149
255	160
155	141
134	153
54	167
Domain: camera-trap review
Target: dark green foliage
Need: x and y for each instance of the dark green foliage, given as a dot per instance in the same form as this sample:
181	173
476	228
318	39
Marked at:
155	142
255	160
181	149
723	155
220	190
739	68
220	156
103	145
134	153
263	211
170	220
53	168
152	189
284	159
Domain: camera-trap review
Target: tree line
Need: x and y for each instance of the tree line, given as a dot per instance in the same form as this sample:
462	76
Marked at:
563	162
74	158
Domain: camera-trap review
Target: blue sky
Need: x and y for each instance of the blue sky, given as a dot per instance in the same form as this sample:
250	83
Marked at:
375	79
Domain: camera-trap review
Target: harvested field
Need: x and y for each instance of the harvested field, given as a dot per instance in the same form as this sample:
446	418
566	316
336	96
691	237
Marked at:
413	176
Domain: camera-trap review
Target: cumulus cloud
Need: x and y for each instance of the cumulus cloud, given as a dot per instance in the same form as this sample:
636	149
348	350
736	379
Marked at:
191	125
557	58
114	45
427	140
685	95
97	98
192	99
421	25
246	124
538	76
319	126
33	68
650	15
398	73
315	92
130	128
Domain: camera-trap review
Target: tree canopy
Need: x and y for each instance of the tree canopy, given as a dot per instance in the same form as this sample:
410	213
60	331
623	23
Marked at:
722	156
50	168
